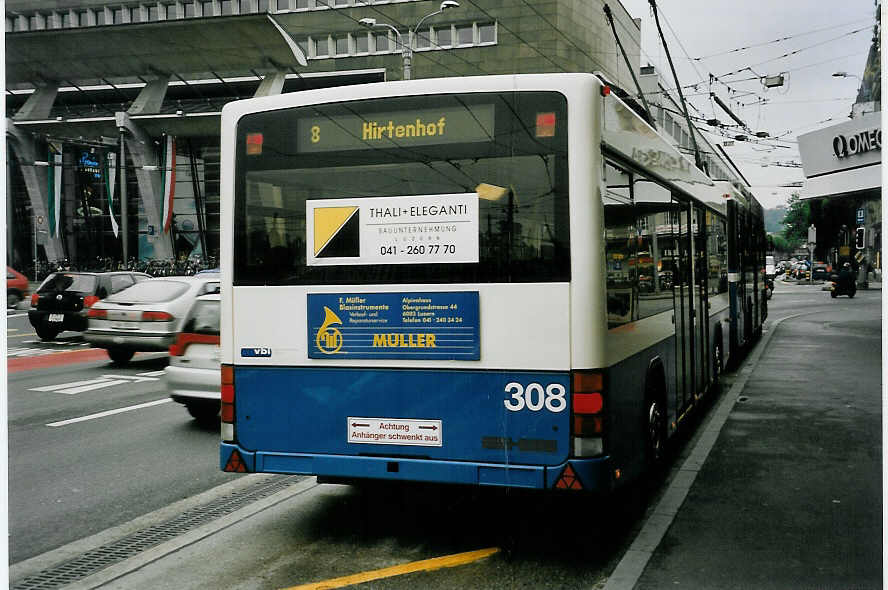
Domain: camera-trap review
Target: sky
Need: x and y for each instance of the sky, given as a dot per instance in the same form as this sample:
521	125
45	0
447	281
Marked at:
823	37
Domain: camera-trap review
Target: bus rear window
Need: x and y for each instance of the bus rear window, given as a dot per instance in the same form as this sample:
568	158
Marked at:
375	191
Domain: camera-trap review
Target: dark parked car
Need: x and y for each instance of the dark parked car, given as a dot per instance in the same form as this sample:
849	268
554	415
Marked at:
821	271
16	287
62	300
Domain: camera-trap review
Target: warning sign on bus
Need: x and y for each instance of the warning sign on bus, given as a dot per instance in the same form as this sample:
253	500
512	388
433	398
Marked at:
395	431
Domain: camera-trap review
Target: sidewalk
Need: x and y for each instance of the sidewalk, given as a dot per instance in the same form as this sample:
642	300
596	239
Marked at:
790	494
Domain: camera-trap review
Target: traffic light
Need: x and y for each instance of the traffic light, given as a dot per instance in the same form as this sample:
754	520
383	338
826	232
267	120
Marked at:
860	238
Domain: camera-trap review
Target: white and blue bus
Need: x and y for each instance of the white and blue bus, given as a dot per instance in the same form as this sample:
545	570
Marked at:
497	281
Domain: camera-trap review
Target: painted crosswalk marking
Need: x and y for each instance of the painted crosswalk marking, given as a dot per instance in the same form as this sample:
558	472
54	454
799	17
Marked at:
75	387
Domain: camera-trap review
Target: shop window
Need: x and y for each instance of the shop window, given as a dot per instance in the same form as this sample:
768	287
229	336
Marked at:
170	11
227	7
283	4
302	4
154	13
191	10
100	16
340	3
263	5
246	6
207	9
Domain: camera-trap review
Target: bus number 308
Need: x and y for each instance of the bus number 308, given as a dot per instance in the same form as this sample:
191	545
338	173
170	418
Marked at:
534	397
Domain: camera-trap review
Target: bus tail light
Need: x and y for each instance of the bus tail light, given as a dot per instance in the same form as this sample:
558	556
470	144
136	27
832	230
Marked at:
227	408
587	413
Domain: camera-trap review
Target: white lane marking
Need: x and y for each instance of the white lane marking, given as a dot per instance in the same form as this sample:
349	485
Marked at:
110	412
74	387
77	385
21	315
27	351
153	373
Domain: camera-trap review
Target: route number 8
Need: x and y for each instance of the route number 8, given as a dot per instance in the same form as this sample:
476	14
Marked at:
534	398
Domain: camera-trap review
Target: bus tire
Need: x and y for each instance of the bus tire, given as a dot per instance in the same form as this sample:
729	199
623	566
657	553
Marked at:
718	359
655	419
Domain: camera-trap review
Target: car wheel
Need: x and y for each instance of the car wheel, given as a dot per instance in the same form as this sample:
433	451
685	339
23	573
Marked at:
120	356
12	299
204	413
46	333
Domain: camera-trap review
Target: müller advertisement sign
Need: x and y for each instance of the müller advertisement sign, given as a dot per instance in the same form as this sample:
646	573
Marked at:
430	326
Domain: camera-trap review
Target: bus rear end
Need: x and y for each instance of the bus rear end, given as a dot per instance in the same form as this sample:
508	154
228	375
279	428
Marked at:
398	289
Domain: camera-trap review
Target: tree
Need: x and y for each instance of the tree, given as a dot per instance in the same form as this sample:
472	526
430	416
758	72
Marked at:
796	221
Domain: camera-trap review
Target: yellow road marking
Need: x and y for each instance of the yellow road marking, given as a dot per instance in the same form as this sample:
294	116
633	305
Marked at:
426	565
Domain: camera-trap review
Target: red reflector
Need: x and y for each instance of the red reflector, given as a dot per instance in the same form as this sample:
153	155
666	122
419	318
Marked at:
545	125
587	382
605	90
156	316
568	480
236	463
97	313
226	413
254	144
90	300
227	393
587	403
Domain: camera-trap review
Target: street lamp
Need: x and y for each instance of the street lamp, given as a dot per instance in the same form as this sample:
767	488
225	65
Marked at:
407	48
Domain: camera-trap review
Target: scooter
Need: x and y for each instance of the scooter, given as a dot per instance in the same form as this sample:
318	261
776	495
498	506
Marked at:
838	288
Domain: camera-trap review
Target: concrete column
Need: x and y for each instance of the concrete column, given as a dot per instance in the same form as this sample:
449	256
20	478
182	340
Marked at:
140	147
151	97
25	148
272	84
38	105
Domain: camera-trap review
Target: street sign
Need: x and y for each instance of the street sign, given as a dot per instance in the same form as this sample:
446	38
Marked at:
812	234
861	215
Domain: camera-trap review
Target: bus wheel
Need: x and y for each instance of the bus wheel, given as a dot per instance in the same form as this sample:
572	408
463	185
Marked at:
717	362
655	431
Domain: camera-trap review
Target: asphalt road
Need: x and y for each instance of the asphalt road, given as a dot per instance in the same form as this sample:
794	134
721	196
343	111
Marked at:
67	479
144	459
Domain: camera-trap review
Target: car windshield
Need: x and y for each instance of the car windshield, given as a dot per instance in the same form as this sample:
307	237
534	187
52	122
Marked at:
157	291
204	318
68	282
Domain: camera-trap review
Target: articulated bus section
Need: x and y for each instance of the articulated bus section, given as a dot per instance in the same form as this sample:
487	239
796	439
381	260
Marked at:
516	282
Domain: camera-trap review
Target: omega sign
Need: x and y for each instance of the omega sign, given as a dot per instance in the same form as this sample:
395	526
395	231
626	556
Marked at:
859	143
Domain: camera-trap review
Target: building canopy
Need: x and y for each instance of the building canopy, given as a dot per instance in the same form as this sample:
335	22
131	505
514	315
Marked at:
189	48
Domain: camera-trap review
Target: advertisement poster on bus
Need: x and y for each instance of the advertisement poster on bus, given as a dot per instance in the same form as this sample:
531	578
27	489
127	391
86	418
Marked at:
392	230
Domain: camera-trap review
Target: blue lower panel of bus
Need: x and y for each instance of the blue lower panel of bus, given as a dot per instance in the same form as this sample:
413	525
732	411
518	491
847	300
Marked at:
508	428
593	474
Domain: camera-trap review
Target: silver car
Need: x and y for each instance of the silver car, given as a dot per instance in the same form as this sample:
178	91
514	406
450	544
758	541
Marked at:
145	317
193	376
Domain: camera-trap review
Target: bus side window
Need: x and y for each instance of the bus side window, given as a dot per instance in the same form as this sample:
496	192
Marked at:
621	248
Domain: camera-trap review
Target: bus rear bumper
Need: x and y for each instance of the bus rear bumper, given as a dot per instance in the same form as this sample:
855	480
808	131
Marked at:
591	474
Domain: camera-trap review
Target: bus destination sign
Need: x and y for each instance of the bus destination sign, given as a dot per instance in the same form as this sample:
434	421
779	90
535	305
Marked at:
409	128
430	326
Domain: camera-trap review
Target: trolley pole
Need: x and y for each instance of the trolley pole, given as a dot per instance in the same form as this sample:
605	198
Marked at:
124	223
